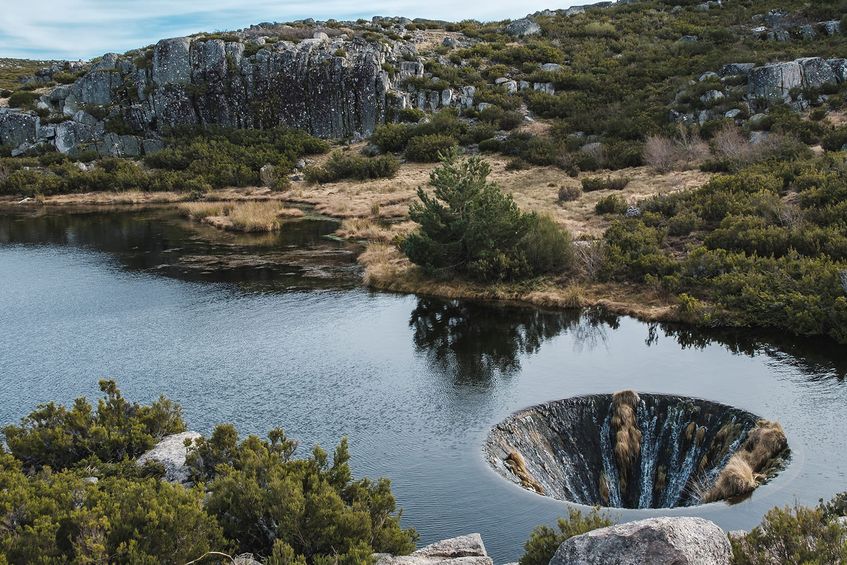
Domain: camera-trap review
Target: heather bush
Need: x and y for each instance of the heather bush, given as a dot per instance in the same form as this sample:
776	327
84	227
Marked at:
347	166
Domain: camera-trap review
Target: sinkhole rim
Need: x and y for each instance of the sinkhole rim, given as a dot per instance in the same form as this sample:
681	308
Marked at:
695	493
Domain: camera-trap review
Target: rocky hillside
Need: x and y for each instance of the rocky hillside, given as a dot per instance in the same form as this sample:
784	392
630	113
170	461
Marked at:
609	70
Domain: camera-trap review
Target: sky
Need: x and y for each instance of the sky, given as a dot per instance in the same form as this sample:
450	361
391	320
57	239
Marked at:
82	29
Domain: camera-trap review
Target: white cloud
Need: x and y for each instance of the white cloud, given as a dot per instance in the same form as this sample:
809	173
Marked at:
86	28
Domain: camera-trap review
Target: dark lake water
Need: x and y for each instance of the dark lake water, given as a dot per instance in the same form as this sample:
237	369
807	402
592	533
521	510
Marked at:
269	331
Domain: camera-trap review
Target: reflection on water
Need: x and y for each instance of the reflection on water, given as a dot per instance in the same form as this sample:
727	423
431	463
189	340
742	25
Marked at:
818	358
158	240
477	341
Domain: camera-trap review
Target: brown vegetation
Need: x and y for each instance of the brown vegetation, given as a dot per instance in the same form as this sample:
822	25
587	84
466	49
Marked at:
683	152
627	434
516	464
750	465
535	190
240	216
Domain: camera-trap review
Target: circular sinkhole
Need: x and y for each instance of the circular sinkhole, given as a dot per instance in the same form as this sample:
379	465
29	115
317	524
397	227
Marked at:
630	450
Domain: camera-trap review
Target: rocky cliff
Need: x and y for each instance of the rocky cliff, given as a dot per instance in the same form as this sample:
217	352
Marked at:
339	87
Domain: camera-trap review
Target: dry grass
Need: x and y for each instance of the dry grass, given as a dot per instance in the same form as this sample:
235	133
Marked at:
535	189
627	434
201	210
140	198
516	464
749	466
604	489
371	230
736	479
240	216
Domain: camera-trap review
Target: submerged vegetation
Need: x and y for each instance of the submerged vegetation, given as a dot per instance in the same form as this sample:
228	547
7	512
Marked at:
256	216
71	492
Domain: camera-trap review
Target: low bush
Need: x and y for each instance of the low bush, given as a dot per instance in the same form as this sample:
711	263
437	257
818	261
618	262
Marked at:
23	99
590	184
58	437
392	137
544	540
836	140
792	535
346	166
569	193
612	204
429	148
252	495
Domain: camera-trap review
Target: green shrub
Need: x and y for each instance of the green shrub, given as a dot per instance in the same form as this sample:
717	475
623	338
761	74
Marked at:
23	99
634	251
346	166
612	204
590	184
835	140
392	137
682	224
263	498
490	145
429	148
548	247
61	518
569	193
544	540
411	115
469	227
798	535
251	494
58	437
624	154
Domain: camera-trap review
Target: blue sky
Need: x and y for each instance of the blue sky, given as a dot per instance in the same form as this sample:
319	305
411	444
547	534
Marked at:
81	29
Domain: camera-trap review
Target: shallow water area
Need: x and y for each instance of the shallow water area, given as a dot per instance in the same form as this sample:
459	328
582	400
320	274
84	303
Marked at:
274	331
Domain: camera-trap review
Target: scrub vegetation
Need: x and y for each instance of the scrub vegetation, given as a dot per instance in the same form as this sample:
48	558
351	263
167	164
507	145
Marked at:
71	492
786	535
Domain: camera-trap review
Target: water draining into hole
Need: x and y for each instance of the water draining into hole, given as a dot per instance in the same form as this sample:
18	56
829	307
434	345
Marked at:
636	451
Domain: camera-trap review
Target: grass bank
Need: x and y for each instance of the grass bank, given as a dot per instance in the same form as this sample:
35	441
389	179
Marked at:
387	269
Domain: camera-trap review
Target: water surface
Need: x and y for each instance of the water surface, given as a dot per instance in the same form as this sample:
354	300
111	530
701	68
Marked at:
270	331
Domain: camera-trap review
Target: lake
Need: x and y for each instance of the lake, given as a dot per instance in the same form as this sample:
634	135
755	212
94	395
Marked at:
274	330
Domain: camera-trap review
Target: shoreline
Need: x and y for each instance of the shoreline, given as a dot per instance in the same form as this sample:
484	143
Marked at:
385	269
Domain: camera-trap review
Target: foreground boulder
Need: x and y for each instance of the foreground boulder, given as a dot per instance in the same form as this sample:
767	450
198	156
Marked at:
462	550
171	453
658	541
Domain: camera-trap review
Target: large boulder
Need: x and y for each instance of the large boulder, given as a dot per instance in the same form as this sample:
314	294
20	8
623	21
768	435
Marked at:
523	27
17	128
171	453
736	69
839	69
844	280
462	550
658	541
816	72
775	81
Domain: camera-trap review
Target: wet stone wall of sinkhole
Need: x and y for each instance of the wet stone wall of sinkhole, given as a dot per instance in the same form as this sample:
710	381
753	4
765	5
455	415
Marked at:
625	450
